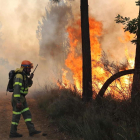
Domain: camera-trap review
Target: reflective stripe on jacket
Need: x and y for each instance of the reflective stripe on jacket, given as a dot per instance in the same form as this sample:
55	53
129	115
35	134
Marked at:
21	86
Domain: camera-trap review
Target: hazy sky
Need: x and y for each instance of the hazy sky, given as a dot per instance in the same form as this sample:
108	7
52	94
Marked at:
19	23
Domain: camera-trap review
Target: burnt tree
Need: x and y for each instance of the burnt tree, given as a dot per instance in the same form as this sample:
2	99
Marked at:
111	79
86	53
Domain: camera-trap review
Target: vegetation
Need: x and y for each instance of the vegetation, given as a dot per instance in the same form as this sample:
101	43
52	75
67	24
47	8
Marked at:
133	26
113	119
129	25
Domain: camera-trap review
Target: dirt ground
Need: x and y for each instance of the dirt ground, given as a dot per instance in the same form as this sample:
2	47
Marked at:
38	118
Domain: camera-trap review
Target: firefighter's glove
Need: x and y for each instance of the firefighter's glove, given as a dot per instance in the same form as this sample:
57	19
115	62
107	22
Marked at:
19	106
31	76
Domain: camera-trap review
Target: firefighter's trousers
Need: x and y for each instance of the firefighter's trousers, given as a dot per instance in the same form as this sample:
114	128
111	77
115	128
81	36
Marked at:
16	116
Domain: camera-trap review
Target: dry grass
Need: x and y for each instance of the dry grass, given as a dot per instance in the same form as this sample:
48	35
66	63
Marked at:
111	120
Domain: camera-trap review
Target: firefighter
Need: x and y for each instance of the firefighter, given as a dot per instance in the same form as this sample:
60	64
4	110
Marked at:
21	84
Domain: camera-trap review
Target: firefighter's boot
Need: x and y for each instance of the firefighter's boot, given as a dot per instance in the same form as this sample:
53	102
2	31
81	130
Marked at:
13	132
15	135
34	132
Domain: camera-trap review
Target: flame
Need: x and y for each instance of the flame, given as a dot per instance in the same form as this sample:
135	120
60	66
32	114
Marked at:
127	37
74	60
99	74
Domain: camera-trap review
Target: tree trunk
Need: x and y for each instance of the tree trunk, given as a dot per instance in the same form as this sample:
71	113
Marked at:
86	53
111	79
136	77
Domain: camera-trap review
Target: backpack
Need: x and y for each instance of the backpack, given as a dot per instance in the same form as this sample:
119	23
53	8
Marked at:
12	74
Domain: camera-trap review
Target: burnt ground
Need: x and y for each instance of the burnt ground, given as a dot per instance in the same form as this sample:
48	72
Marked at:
38	118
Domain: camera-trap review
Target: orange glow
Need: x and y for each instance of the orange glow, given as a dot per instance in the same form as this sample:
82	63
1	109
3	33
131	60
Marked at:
99	74
127	37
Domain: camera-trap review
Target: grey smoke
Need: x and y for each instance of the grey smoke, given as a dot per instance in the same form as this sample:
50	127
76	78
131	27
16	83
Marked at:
18	40
53	38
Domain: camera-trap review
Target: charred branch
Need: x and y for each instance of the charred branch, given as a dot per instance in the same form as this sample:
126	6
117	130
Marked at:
111	79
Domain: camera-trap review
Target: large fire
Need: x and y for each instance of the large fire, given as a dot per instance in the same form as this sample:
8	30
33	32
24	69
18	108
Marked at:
120	87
